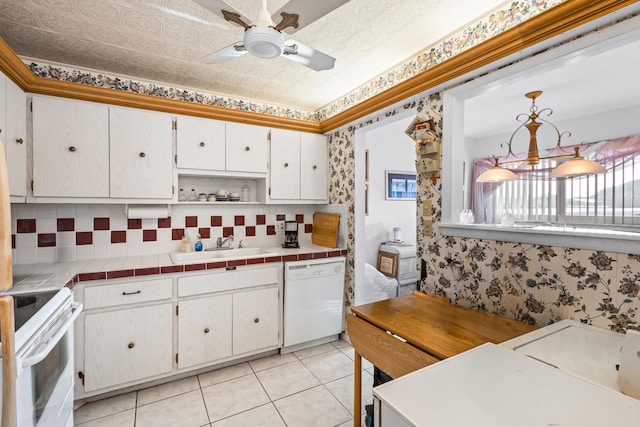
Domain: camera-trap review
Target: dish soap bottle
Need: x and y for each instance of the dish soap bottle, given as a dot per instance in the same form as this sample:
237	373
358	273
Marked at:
185	246
198	245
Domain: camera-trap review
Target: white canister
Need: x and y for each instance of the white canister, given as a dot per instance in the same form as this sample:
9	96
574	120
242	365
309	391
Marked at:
244	193
397	234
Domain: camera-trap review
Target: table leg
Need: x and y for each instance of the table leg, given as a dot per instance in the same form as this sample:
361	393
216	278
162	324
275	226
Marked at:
357	390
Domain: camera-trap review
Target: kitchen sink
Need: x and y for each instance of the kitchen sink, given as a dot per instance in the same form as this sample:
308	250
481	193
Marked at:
219	254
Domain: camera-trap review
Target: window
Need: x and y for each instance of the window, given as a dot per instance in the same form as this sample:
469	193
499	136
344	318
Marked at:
605	199
400	185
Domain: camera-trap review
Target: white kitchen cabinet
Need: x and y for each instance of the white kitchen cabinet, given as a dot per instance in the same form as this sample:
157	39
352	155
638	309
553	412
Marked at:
314	173
298	167
70	148
255	320
16	143
140	154
204	330
13	133
284	165
240	318
128	345
137	330
200	144
246	148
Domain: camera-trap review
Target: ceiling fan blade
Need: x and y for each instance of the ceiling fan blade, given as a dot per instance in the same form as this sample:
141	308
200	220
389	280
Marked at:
223	10
307	11
309	57
224	54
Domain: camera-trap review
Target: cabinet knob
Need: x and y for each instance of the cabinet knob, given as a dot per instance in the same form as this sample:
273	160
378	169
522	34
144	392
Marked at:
256	320
202	144
315	167
131	345
247	148
19	141
142	154
72	149
206	330
286	165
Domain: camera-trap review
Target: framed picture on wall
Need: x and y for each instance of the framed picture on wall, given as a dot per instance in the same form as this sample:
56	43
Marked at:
388	264
400	185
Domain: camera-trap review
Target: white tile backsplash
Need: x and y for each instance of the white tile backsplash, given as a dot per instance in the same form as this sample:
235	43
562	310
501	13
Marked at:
46	216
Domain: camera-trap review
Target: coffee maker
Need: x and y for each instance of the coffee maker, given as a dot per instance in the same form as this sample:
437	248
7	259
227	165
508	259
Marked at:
290	234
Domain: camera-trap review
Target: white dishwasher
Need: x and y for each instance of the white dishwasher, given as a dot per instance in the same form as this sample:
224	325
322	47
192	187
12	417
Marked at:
313	301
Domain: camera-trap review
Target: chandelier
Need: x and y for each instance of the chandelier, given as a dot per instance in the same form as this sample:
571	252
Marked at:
575	166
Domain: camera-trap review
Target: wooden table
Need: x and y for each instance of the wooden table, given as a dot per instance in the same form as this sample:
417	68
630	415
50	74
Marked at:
427	329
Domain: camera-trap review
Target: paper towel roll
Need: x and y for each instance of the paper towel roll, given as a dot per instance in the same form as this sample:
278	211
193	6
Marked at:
148	211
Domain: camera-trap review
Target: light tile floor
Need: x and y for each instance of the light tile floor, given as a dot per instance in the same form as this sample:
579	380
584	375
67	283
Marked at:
308	388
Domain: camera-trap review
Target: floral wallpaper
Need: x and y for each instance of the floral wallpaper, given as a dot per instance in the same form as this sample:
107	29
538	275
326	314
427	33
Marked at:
535	284
493	24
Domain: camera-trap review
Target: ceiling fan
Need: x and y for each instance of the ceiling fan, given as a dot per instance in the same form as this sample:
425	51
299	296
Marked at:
265	39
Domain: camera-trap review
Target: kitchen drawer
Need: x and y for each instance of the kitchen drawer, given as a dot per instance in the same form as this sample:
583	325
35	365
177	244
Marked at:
117	294
226	280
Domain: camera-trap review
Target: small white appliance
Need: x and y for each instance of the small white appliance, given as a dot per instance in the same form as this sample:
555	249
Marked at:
313	302
407	275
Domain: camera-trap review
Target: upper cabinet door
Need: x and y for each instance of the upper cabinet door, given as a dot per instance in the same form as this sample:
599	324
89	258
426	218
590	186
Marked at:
200	144
141	154
70	148
246	149
285	165
16	142
314	158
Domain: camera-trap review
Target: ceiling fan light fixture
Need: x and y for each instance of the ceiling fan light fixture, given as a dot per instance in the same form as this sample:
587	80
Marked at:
263	42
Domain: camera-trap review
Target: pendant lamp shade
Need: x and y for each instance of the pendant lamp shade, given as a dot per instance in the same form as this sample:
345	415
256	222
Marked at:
497	174
577	166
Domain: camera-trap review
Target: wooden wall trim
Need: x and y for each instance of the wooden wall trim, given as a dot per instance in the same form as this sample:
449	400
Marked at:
563	17
12	67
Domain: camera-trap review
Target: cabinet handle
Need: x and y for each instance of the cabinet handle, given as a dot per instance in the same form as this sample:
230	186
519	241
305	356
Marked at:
247	148
206	330
256	320
132	293
19	141
131	345
286	165
315	167
202	144
72	149
142	154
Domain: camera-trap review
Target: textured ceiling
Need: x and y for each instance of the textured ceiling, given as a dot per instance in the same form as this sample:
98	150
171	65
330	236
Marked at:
163	41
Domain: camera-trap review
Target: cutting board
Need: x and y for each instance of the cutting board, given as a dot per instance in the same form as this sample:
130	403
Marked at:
325	229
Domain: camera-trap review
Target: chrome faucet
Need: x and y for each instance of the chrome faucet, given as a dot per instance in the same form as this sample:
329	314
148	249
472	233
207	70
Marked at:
220	241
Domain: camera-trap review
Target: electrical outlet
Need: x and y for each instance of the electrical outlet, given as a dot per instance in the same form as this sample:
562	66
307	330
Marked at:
280	225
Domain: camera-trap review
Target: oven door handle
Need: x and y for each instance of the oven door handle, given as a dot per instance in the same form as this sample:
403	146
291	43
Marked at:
42	351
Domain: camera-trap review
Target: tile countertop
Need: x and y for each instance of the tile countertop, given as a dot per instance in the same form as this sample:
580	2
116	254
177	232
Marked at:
32	277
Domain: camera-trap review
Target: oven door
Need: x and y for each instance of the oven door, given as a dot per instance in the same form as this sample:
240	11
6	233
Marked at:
45	385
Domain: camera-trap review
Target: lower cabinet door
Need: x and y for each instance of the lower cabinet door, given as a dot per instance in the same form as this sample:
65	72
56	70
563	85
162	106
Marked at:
204	330
124	346
255	320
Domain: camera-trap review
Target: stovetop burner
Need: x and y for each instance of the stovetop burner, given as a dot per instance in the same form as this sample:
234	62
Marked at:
27	305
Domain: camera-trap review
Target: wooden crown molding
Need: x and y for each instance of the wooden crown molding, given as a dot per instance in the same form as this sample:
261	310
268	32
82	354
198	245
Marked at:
563	17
